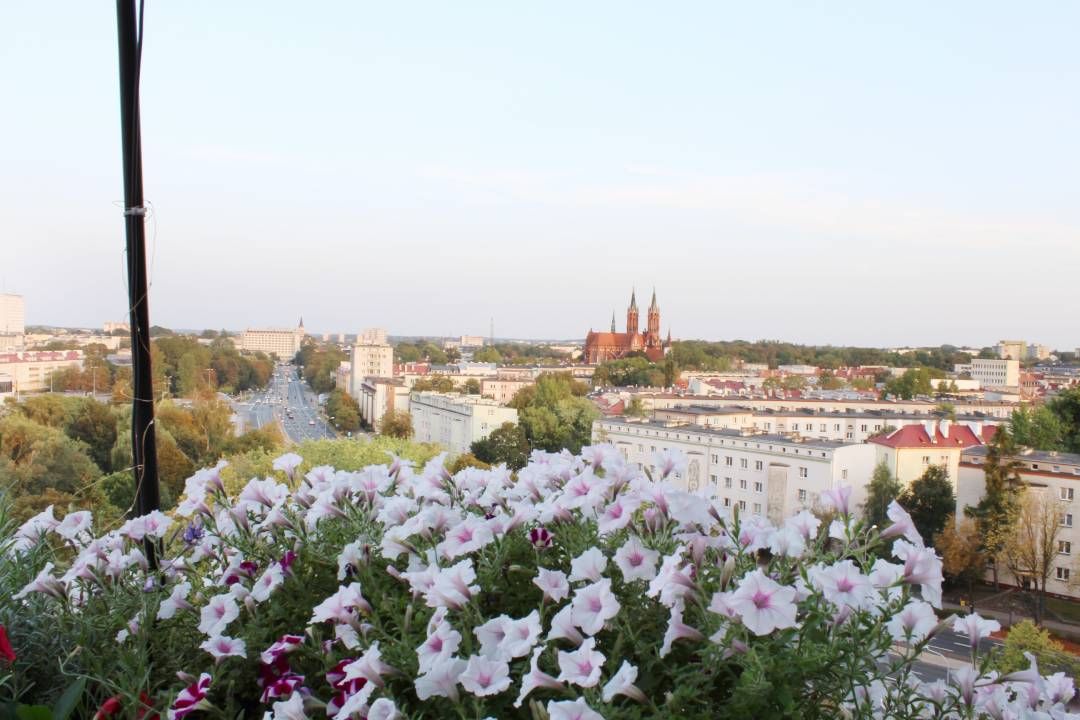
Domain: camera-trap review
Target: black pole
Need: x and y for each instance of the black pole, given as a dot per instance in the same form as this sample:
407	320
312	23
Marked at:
144	447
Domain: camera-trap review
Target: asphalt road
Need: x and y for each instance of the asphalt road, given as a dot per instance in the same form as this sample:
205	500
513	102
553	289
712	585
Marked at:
286	393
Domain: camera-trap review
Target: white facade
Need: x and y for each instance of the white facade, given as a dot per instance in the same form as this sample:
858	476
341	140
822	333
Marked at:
993	373
656	400
371	361
343	377
1011	349
283	343
767	475
378	396
12	314
371	336
1057	476
456	421
30	371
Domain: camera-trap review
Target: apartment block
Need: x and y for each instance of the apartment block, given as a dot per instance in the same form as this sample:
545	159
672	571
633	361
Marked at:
456	421
30	371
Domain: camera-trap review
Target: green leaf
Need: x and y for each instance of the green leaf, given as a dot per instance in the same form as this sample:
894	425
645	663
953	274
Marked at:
69	700
33	712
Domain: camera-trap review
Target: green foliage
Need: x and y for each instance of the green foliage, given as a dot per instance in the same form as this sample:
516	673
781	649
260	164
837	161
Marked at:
505	444
434	383
637	370
635	408
997	509
472	386
192	368
358	454
35	457
930	501
1039	428
1066	406
914	381
406	352
553	414
318	365
344	409
487	354
1026	636
721	356
396	424
882	490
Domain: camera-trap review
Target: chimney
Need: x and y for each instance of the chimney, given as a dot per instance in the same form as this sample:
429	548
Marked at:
945	425
931	431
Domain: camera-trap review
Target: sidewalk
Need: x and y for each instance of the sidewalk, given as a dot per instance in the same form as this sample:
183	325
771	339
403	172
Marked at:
1069	631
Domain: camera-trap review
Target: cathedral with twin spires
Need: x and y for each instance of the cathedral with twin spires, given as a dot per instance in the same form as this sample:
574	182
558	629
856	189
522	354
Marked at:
601	346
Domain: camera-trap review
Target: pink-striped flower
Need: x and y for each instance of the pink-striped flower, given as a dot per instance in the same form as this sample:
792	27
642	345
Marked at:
191	698
764	605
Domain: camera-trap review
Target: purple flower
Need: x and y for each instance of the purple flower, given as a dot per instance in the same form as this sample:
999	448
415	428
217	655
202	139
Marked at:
193	533
541	538
287	561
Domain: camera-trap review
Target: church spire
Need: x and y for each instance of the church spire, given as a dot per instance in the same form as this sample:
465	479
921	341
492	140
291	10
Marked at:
612	321
633	299
653	305
301	321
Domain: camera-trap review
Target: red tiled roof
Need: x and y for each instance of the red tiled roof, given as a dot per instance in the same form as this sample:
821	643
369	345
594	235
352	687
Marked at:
911	436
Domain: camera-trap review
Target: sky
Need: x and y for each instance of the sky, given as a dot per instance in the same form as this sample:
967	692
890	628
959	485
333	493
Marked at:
829	173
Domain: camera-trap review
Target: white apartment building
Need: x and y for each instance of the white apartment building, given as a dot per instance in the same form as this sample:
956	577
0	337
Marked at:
375	361
1057	477
502	390
12	314
111	327
1011	349
30	371
910	450
371	336
456	421
992	373
768	475
654	400
283	343
378	396
343	377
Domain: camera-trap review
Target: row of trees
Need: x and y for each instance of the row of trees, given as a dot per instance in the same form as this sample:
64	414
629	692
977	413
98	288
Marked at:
1053	426
722	356
344	410
637	370
318	363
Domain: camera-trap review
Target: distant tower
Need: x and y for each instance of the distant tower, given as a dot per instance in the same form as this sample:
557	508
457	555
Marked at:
613	321
653	322
632	315
301	325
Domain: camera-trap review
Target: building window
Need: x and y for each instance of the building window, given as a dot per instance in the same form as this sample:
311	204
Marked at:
850	435
759	486
802	496
757	508
843	474
742	483
728	460
744	463
1065	493
1064	547
795	427
836	427
802	472
712	478
715	459
742	504
1062	573
1066	519
823	426
862	428
727	502
759	465
727	482
925	459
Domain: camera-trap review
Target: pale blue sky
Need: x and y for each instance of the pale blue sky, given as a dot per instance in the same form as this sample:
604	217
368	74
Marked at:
864	173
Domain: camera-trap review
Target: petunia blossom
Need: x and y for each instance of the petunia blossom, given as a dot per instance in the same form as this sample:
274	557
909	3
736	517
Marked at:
589	566
635	561
763	605
593	605
582	666
485	676
191	698
975	627
622	683
223	646
535	678
553	584
572	710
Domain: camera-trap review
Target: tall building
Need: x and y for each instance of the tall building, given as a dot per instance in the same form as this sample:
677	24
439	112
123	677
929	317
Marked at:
371	336
993	373
12	315
283	343
1012	349
372	357
30	371
601	346
456	421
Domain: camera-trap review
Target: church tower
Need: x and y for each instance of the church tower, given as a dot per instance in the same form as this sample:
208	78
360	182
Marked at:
653	322
632	315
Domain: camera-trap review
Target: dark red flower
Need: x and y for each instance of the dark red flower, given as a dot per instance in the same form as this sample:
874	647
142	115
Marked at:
109	708
541	538
7	653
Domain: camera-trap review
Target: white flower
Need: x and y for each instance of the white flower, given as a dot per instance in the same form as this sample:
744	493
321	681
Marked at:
678	630
491	634
593	605
383	709
222	646
669	462
842	584
805	522
913	623
291	709
177	600
466	537
563	627
1059	688
635	561
763	605
520	635
535	678
441	680
572	710
788	541
452	587
75	524
922	567
616	515
288	463
589	565
440	645
975	627
485	676
340	606
218	613
902	525
622	683
553	584
268	582
368	666
45	583
352	557
582	666
356	704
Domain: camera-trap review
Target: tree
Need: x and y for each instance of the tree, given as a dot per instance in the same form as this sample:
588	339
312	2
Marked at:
996	509
961	553
434	383
1026	637
487	355
505	444
94	423
397	424
635	408
1066	406
882	490
930	500
827	380
947	410
344	409
1031	549
1038	428
35	458
914	381
465	460
472	386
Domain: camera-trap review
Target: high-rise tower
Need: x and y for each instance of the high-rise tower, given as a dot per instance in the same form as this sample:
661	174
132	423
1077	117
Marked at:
632	315
652	333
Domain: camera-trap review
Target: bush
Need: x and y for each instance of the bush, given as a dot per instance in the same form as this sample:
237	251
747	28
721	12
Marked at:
576	588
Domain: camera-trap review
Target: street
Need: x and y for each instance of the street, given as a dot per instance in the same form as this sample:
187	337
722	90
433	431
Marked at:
290	403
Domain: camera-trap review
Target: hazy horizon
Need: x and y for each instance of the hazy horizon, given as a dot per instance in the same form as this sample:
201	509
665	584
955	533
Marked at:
872	176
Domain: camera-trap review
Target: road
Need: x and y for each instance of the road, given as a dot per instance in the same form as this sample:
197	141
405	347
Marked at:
289	402
948	650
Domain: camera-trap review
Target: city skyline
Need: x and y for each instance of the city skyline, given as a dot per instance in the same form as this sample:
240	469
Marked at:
855	179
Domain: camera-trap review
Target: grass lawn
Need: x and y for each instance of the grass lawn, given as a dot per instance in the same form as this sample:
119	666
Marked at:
1066	609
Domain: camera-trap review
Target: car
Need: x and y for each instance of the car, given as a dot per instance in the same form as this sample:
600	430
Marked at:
310	422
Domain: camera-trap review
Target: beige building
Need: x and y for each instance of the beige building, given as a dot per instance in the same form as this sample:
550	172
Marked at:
502	390
378	396
371	361
992	373
909	451
456	421
343	377
282	343
1011	349
12	314
371	336
30	371
767	475
1056	476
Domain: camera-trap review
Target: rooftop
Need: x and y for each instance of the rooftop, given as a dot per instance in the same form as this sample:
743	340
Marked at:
733	434
1029	455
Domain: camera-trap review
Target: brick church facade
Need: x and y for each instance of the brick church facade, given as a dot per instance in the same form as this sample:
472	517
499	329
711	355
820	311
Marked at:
602	346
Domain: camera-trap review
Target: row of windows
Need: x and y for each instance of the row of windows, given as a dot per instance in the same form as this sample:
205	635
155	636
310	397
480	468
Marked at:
746	444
